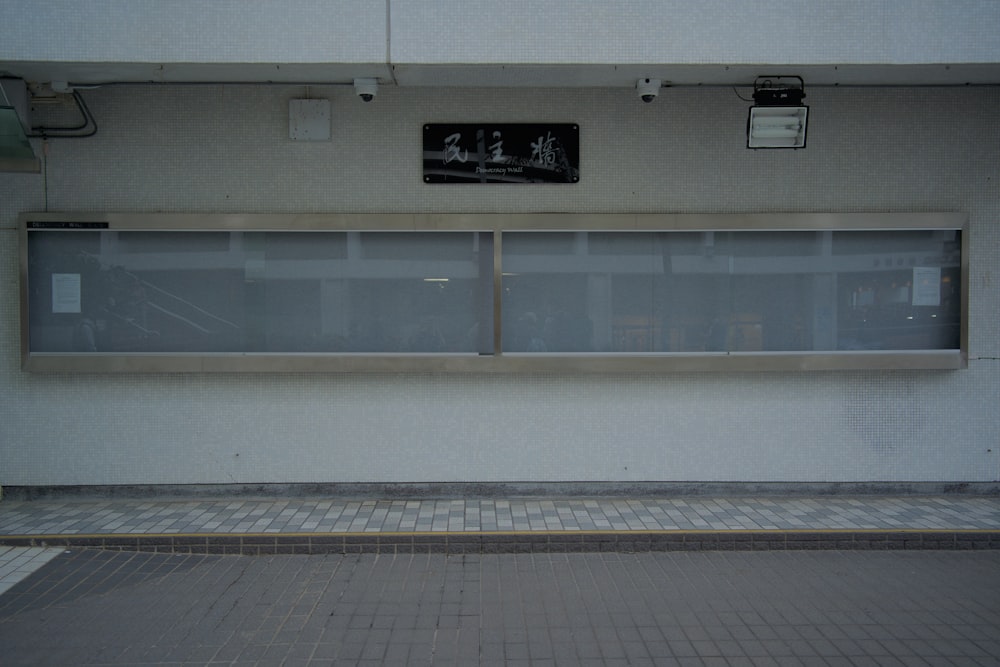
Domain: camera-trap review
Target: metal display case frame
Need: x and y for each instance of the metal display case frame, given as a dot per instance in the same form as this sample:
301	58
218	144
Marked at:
497	360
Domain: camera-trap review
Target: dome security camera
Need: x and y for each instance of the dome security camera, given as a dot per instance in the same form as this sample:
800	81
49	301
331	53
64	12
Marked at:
366	89
647	89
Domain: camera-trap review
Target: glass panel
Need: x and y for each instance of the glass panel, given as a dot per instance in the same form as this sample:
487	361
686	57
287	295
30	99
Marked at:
284	292
432	291
583	292
16	153
13	142
902	292
733	291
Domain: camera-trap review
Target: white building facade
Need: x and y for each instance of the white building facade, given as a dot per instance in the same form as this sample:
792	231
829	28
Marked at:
191	101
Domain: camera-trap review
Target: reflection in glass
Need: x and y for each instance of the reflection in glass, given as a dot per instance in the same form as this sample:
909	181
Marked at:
286	292
427	292
731	291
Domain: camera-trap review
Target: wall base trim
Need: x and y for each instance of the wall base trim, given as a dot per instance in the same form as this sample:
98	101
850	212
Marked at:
266	544
403	490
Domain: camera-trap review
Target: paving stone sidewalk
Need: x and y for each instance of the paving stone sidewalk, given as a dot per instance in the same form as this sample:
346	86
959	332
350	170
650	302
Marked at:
707	609
16	563
313	515
256	526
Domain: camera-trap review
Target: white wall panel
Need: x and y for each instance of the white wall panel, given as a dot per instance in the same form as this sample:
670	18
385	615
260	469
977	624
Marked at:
226	148
646	31
415	42
191	31
893	32
516	31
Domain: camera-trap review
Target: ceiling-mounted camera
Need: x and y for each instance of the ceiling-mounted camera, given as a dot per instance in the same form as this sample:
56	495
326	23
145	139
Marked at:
647	89
366	89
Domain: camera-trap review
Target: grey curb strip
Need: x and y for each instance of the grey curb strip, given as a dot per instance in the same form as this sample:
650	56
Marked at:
516	541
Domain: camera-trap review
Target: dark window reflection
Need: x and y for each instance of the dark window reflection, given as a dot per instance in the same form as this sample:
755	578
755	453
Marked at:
432	292
284	292
731	291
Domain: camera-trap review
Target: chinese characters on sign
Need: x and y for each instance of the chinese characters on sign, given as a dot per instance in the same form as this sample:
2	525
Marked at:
501	153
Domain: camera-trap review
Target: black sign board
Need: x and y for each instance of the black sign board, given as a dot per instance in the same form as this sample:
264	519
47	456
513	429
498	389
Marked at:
502	153
33	224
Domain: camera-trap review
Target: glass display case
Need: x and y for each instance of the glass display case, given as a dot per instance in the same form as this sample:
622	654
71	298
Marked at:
555	292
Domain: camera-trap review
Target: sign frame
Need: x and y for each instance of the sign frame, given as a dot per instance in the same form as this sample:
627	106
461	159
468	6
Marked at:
510	153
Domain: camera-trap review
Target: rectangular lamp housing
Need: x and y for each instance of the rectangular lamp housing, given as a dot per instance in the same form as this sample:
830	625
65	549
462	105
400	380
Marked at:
777	127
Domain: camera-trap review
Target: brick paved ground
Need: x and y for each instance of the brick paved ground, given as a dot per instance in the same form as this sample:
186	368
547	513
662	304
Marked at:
259	526
706	609
236	516
16	563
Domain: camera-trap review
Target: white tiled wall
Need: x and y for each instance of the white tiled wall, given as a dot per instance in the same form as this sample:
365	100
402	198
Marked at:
183	31
515	31
226	148
682	32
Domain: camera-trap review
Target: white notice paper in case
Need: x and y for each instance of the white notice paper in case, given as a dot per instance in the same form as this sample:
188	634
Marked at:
926	286
65	292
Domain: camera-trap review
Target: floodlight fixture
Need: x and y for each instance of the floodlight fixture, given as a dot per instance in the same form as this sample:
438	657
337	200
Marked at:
778	117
